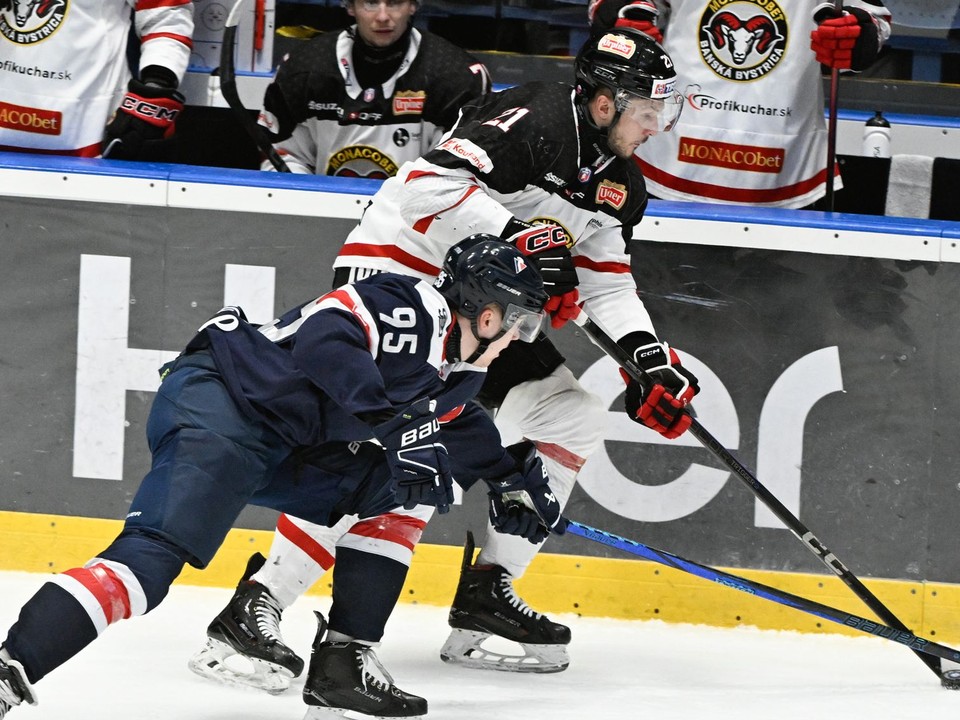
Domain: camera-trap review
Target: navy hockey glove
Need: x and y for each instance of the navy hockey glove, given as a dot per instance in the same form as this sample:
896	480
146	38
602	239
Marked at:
668	387
638	14
145	118
849	41
521	502
418	460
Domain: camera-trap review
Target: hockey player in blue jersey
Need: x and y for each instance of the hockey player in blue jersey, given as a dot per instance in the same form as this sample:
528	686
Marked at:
280	415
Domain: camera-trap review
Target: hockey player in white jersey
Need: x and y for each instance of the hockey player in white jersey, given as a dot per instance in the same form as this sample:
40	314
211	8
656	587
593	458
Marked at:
547	167
753	131
67	88
361	102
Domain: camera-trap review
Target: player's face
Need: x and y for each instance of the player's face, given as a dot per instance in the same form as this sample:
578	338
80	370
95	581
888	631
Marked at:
640	119
382	22
627	135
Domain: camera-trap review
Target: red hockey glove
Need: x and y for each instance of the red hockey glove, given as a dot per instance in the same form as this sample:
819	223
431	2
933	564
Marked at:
563	308
850	41
659	401
638	14
146	116
549	248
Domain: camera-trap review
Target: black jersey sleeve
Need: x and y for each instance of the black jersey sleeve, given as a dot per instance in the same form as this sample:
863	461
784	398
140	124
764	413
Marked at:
306	77
456	78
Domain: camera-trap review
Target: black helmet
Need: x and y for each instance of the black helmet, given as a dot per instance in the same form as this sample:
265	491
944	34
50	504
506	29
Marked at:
632	65
483	270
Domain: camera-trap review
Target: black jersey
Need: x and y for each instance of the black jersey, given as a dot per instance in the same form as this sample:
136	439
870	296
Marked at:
325	122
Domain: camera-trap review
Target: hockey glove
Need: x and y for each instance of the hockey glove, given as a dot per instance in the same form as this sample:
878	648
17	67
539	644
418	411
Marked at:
667	388
521	502
850	41
145	118
548	246
418	460
639	14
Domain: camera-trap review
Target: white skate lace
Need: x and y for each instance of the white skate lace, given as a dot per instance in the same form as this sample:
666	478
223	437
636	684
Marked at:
267	611
506	585
367	657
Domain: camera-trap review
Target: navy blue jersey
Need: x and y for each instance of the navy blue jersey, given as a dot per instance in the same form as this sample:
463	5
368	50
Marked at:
362	351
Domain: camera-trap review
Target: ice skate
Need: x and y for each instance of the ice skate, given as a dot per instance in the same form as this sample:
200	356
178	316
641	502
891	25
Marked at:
14	688
244	646
485	606
346	680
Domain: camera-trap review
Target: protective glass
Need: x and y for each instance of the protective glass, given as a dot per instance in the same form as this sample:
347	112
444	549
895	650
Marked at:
374	5
654	115
527	322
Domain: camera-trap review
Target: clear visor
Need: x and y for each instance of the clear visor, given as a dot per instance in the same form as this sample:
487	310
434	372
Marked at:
655	115
526	322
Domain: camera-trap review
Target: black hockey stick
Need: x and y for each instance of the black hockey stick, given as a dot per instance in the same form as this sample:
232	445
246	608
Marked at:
228	87
624	360
923	647
832	123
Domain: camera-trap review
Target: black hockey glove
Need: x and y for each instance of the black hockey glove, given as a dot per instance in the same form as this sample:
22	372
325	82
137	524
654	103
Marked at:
638	14
418	460
145	118
658	402
846	41
521	502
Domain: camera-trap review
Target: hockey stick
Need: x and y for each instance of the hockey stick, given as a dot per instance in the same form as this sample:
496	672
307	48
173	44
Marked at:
802	532
228	87
923	647
832	124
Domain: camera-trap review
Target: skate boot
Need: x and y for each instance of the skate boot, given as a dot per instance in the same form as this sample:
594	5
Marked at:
346	679
487	605
244	645
14	688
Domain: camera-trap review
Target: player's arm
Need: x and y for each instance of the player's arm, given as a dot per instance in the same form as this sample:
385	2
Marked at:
610	299
337	349
149	110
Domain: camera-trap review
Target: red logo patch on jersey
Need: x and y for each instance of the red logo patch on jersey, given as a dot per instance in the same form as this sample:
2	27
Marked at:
409	102
735	157
31	120
611	193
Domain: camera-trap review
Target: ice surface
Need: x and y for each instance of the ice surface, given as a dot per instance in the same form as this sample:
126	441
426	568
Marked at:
630	670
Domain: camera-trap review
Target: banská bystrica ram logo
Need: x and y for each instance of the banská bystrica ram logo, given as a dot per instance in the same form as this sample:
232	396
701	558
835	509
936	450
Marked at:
26	22
743	40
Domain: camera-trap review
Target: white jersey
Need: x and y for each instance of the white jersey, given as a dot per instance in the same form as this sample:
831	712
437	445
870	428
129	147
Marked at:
522	153
63	66
753	129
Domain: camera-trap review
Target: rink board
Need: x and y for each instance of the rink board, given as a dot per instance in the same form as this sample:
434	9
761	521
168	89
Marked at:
826	348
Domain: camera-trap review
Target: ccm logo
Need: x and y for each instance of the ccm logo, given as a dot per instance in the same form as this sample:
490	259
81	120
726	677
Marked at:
138	106
417	434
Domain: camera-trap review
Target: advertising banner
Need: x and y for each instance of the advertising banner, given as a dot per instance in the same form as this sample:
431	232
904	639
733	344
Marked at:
830	376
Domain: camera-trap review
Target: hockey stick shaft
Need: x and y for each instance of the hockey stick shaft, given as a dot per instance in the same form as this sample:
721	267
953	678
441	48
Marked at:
228	88
832	125
920	645
801	531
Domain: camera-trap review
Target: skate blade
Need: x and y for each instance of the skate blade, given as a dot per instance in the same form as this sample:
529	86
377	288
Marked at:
222	664
465	648
325	713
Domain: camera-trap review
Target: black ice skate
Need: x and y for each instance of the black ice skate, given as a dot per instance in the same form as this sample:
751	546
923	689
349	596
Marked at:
486	604
346	679
14	688
244	645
